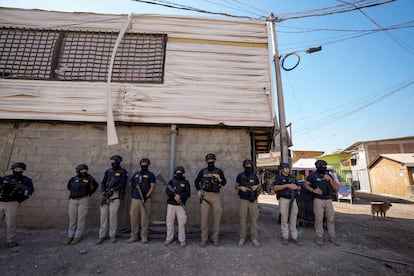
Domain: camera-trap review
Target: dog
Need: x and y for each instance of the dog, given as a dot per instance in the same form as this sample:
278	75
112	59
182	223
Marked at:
380	208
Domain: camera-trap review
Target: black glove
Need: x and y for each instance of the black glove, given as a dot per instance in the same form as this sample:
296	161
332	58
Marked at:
108	194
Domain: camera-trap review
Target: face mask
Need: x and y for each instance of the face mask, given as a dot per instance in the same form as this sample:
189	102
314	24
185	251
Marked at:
18	174
248	169
82	173
179	175
210	164
144	168
115	166
321	170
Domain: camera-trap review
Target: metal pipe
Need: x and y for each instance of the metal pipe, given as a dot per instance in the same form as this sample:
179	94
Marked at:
279	89
173	150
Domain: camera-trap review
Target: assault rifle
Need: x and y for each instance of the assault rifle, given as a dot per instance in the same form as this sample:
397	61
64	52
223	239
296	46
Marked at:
142	198
164	182
108	193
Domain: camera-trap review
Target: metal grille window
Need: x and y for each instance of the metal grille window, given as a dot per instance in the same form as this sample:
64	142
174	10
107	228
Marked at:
81	56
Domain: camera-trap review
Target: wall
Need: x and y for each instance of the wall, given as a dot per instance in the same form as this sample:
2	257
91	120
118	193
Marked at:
52	151
386	178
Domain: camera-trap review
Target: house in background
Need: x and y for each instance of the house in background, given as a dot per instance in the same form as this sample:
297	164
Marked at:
341	164
169	88
364	153
393	174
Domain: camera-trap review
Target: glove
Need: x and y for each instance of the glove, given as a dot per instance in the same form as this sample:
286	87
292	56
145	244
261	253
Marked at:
109	193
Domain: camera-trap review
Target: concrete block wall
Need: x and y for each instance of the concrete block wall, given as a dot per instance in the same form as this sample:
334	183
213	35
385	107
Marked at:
52	151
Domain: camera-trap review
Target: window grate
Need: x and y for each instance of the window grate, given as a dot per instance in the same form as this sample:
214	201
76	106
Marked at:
81	55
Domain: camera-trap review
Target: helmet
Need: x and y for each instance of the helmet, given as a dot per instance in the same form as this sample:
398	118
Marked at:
116	158
81	167
210	156
145	160
179	168
320	163
247	161
284	165
19	165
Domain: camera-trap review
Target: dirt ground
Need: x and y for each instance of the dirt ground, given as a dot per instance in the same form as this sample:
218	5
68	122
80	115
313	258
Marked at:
368	246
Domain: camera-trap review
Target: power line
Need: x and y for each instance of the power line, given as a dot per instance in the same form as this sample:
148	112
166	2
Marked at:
403	45
351	108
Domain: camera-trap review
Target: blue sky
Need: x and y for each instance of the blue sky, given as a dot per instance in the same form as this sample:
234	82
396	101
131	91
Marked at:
350	91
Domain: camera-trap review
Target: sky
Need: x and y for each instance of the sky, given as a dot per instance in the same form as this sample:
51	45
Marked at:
360	87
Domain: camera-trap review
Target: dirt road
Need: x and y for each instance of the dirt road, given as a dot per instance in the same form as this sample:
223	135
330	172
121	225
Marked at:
367	247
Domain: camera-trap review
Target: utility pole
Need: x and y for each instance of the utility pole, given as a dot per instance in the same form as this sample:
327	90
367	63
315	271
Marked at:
284	149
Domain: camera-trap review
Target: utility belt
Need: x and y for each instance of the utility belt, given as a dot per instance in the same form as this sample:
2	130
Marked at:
78	197
107	201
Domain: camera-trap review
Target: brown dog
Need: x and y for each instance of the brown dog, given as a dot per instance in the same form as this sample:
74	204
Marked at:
380	208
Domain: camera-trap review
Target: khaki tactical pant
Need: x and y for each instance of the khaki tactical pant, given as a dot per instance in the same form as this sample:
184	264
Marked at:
172	211
323	207
284	213
78	209
214	199
8	212
248	208
137	211
109	217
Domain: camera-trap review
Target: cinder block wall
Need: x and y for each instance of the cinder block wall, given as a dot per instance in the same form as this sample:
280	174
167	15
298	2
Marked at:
52	151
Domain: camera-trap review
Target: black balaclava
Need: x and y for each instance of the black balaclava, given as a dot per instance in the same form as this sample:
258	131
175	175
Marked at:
17	174
179	176
321	170
115	165
248	170
144	167
210	166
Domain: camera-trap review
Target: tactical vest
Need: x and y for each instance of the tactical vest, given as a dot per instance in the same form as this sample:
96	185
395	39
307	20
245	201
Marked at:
178	187
143	179
286	193
209	181
12	189
248	181
80	187
324	185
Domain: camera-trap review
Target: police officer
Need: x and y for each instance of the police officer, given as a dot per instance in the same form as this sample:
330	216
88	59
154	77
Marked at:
247	185
208	184
142	186
14	189
81	187
287	188
322	185
178	191
112	188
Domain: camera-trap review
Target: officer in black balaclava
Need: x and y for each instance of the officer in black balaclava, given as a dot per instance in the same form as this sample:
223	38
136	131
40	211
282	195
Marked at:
247	185
208	184
14	189
81	187
112	188
321	185
142	186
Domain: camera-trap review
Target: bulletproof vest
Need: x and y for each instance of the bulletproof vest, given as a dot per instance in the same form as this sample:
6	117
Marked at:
248	181
286	193
114	177
143	179
12	189
80	186
324	185
209	181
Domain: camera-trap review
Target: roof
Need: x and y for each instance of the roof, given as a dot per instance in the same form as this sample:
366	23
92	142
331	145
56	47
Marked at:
306	164
406	159
353	146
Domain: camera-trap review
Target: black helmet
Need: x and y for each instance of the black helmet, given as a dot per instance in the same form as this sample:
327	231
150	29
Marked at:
247	161
210	156
145	160
116	158
19	165
179	168
284	165
320	163
81	167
